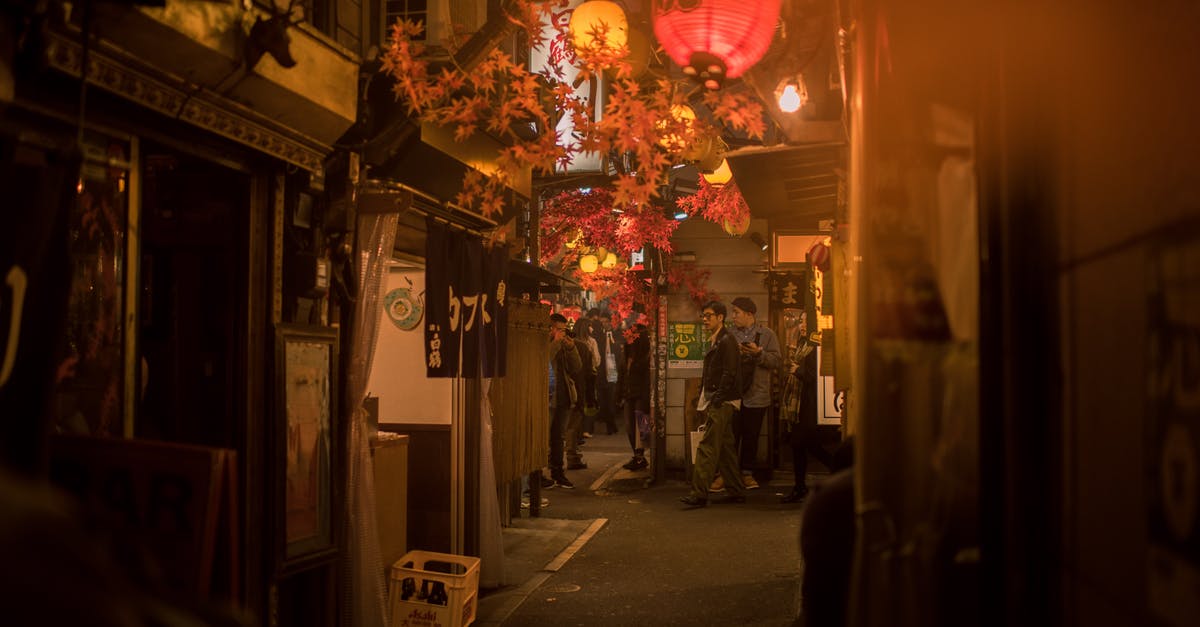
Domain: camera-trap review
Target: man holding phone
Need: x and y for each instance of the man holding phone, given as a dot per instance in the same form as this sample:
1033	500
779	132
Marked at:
760	355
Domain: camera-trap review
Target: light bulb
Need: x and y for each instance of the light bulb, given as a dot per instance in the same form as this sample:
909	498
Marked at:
789	100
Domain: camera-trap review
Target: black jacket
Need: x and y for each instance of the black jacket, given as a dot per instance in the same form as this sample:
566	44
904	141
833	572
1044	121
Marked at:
720	369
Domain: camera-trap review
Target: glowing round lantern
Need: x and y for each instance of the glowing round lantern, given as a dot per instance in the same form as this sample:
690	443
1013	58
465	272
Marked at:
737	228
684	116
598	26
707	153
720	176
638	58
610	261
715	39
588	263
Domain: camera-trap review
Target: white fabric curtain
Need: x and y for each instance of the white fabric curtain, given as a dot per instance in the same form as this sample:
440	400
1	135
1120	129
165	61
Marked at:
364	591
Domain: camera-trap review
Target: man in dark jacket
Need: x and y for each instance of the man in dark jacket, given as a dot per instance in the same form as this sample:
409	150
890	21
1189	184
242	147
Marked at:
565	367
719	397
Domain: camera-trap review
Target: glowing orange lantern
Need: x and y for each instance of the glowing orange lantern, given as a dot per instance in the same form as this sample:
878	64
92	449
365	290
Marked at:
598	26
589	263
715	39
682	116
737	228
719	177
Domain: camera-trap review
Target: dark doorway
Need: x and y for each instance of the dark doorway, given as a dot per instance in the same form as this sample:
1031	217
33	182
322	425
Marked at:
194	223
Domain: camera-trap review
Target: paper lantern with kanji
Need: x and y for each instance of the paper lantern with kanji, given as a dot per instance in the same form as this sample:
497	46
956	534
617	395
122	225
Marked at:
715	39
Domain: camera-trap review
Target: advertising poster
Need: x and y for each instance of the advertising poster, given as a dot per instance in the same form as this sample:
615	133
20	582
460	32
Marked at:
686	343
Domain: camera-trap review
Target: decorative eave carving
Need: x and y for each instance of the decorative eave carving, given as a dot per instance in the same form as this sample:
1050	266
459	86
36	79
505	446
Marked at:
204	110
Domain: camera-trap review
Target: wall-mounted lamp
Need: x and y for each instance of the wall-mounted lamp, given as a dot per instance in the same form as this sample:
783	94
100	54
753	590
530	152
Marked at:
792	94
759	240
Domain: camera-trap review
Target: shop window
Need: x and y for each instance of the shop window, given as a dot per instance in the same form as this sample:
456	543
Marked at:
90	397
412	10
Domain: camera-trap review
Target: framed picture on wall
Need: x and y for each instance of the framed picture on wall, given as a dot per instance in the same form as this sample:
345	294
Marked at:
305	382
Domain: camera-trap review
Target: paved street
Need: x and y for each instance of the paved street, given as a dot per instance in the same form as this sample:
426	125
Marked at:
634	557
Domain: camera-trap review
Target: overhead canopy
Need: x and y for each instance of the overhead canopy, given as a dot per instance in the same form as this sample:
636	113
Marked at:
795	187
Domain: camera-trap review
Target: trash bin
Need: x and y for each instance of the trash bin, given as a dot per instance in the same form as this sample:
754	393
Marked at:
430	589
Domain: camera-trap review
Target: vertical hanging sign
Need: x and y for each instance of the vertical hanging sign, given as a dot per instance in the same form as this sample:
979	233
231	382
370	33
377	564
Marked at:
466	309
495	312
442	310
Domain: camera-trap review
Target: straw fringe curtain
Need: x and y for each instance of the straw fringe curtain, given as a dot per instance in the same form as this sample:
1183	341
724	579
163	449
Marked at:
364	594
520	400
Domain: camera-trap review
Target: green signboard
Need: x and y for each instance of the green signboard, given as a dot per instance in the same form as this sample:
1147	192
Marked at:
686	342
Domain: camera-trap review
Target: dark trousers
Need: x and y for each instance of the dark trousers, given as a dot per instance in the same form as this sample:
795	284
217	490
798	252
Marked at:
637	440
805	442
608	410
747	427
558	423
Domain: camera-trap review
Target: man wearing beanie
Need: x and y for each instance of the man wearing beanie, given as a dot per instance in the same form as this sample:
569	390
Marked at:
759	351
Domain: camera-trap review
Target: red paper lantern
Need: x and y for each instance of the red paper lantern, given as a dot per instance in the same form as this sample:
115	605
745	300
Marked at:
715	39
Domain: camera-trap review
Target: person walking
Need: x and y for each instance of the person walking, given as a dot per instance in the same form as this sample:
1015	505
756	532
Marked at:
760	356
565	366
635	394
719	398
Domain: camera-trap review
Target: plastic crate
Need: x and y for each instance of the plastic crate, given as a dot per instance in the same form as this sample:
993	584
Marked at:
433	590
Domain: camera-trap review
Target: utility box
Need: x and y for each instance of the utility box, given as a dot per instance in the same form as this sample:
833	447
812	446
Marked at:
430	589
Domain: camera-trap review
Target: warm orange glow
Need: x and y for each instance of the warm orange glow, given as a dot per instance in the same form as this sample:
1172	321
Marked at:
683	115
589	263
789	100
719	177
610	261
738	228
598	26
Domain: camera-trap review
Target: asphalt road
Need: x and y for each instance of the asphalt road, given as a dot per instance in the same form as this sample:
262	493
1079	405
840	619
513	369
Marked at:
638	558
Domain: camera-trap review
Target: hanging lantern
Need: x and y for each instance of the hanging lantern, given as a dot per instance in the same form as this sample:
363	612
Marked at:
737	227
610	261
638	57
684	116
707	153
598	27
588	263
720	176
715	39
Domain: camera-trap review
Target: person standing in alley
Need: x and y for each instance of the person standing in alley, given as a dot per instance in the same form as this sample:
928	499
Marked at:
798	407
589	406
760	355
719	398
566	364
612	358
635	395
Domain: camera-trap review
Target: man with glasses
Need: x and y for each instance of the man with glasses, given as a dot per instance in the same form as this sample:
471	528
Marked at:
719	397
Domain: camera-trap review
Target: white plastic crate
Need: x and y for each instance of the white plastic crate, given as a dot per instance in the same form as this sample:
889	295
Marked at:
433	590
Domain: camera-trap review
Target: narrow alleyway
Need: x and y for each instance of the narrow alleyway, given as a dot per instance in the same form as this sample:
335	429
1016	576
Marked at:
633	556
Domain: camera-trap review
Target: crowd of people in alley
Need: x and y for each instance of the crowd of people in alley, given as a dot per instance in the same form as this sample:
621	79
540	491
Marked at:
598	374
600	378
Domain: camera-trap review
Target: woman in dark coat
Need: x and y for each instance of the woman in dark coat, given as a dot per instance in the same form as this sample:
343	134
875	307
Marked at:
798	410
635	392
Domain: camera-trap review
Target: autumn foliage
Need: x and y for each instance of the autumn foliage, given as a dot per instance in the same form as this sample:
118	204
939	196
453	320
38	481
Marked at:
637	136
